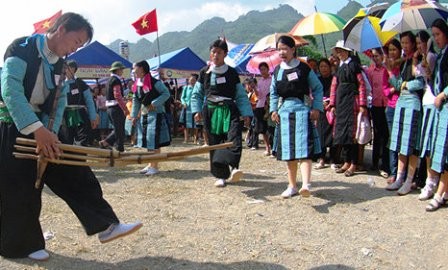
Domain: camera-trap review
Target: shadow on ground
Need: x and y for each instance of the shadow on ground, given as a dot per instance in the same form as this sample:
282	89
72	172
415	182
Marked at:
58	262
331	192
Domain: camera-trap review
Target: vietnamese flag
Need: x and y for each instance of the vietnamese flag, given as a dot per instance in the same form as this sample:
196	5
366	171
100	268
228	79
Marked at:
147	23
41	27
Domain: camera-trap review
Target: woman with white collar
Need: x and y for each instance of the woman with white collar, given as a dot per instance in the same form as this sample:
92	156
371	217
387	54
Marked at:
439	149
405	135
225	102
298	139
347	98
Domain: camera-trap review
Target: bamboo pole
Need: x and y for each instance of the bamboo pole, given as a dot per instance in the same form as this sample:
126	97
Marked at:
86	156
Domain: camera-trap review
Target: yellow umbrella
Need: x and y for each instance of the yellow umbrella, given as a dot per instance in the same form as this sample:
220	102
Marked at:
318	23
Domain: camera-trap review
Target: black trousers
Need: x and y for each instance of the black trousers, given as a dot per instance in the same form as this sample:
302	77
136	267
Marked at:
118	135
380	138
350	153
20	202
223	160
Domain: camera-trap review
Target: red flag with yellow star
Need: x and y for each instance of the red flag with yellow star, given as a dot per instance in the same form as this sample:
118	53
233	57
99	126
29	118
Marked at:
41	27
147	23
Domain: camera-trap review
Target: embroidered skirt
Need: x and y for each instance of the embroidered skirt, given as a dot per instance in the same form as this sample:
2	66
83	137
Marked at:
429	122
298	137
440	145
405	135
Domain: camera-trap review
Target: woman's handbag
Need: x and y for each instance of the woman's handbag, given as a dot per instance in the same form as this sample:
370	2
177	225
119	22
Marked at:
364	129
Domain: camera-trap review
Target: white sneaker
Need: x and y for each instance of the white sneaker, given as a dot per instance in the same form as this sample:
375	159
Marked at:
289	192
40	255
395	185
220	183
426	192
144	170
118	230
152	171
405	188
235	176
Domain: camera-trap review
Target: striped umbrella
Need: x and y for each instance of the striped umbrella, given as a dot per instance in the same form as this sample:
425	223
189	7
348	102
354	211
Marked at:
376	10
318	23
408	15
364	33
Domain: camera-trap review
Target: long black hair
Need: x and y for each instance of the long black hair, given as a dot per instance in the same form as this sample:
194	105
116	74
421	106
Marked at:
424	37
288	41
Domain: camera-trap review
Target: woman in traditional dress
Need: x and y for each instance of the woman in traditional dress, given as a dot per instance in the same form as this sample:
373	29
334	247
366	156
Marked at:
298	139
426	68
149	96
323	126
347	98
186	117
405	135
439	149
393	62
225	102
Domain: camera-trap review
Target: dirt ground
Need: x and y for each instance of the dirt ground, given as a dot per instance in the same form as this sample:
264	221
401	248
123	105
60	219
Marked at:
347	223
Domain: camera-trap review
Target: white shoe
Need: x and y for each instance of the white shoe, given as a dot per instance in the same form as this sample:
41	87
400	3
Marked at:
334	166
289	192
220	183
395	185
144	170
40	255
426	192
118	230
152	171
405	188
235	176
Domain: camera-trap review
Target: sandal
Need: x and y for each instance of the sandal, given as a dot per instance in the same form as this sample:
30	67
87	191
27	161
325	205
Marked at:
349	173
340	170
433	205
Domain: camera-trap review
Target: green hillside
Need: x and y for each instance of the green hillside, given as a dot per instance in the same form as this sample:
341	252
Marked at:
246	29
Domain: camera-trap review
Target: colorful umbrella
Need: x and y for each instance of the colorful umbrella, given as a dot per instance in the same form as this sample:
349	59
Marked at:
272	58
408	15
318	23
376	10
364	33
269	42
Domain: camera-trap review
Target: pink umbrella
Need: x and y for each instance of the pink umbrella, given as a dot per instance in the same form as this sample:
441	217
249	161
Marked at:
272	58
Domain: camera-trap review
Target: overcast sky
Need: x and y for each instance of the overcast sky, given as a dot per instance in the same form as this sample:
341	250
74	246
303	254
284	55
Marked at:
112	19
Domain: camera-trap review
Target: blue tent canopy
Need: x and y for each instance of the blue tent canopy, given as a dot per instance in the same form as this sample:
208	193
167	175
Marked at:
182	59
96	54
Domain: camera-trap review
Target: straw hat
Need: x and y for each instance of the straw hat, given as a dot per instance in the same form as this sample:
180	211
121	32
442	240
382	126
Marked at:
116	65
340	45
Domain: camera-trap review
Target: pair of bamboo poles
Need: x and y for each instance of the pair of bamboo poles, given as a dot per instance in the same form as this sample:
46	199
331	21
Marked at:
95	157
